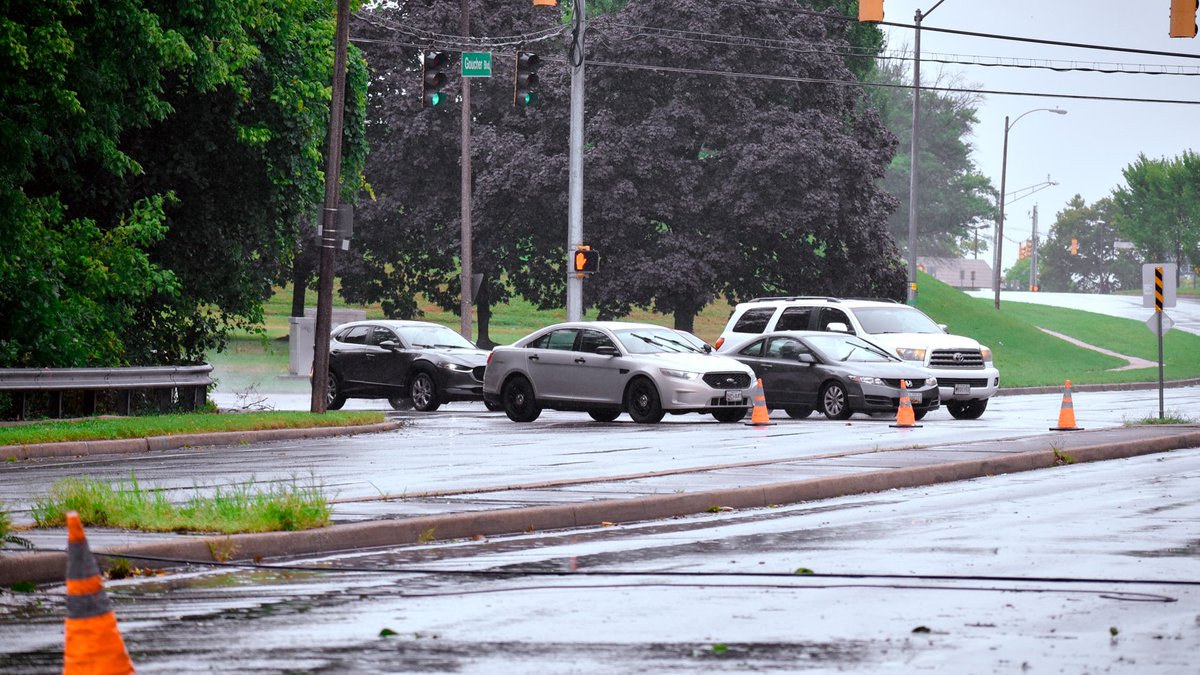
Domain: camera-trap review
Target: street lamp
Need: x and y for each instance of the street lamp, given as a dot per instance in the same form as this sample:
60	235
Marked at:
1003	175
914	144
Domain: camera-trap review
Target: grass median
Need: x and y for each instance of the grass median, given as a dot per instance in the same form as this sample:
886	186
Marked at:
231	509
108	428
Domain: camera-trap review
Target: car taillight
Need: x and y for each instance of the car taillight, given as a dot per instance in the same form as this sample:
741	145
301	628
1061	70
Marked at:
720	341
490	355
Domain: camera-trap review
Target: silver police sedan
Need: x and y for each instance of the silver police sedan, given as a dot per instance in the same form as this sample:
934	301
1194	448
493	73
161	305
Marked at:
605	368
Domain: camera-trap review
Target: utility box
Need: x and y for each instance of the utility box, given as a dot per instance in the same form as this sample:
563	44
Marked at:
302	331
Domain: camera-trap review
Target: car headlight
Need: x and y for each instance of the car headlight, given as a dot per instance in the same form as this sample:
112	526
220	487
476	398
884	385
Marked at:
986	352
681	374
863	379
456	367
931	382
911	353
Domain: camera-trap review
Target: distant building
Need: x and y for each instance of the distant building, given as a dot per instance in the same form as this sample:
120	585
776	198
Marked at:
963	273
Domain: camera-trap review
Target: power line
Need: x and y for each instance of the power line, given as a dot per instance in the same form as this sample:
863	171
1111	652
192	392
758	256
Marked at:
888	85
951	31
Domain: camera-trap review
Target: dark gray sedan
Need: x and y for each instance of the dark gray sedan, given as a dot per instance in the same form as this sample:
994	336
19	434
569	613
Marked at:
835	373
413	364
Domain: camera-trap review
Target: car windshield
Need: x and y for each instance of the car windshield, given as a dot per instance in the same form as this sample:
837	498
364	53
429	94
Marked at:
434	336
898	319
834	347
656	340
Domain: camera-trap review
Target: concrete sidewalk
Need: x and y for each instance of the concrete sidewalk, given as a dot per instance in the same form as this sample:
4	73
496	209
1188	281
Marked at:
508	509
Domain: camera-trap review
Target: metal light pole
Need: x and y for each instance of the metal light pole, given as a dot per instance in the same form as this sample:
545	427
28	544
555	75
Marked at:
1003	177
913	147
329	228
575	180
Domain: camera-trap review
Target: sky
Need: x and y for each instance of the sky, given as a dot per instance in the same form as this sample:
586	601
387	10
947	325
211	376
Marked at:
1085	150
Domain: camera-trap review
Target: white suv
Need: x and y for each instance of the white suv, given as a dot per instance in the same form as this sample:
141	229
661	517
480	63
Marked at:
964	370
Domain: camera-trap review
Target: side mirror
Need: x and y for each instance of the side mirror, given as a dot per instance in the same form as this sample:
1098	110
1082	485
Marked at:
943	327
607	350
838	327
390	345
806	358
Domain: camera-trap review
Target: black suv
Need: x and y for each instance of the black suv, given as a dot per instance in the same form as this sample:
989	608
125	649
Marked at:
413	364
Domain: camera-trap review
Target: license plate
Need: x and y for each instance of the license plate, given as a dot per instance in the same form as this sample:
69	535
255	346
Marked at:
914	397
733	396
962	388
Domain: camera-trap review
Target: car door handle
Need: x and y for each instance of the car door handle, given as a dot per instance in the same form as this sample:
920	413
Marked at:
534	357
581	360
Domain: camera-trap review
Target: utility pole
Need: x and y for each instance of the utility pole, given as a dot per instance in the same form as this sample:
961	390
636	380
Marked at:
575	187
465	299
1033	246
329	218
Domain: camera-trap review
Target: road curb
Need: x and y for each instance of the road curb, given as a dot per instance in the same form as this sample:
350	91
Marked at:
1117	386
173	442
49	567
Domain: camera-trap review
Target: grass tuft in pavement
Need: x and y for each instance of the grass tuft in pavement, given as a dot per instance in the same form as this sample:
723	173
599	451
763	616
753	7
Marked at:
230	509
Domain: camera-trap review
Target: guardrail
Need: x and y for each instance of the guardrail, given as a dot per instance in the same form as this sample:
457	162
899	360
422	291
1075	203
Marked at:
167	387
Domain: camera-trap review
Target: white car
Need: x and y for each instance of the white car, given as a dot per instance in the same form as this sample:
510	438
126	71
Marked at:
606	368
963	368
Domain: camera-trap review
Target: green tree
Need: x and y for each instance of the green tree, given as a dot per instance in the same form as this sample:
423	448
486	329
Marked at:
1158	209
702	185
183	138
954	198
1095	266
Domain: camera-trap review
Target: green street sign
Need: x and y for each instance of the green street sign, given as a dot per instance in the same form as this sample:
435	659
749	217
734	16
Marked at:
477	64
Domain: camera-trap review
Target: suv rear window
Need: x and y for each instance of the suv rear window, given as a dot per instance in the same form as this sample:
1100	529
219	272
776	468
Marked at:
794	318
754	320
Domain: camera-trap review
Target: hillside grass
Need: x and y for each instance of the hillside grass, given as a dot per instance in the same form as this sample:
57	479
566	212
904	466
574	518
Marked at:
1027	356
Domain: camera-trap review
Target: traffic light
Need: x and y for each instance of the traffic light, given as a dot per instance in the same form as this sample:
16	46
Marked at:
870	11
585	260
526	79
433	78
1183	18
1074	247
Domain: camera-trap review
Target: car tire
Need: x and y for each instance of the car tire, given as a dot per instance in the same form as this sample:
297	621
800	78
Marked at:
494	407
798	412
399	403
519	401
334	398
919	414
422	390
643	403
604	415
729	414
966	410
835	403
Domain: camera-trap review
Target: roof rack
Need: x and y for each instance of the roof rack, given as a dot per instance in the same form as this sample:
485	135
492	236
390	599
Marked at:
795	297
891	300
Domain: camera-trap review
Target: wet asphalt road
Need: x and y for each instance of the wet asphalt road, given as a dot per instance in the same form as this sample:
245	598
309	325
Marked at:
1092	569
465	447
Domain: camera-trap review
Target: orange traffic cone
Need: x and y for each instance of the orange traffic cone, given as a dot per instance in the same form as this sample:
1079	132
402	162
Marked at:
1066	414
905	419
760	417
93	642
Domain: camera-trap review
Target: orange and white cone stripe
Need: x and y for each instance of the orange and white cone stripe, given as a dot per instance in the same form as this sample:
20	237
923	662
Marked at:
1066	413
93	641
905	418
761	417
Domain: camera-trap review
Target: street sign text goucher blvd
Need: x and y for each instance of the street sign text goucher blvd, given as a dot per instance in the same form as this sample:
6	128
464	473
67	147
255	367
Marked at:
477	64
